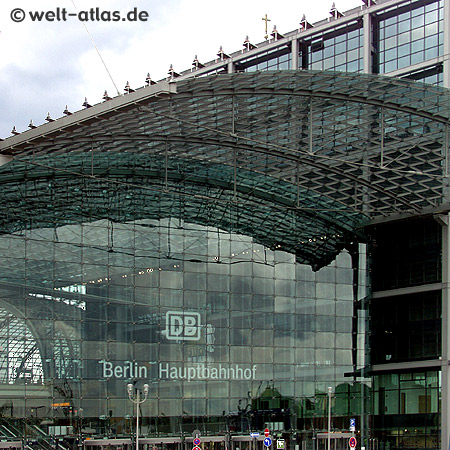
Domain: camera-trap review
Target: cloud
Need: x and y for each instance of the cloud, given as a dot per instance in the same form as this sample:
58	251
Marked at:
46	65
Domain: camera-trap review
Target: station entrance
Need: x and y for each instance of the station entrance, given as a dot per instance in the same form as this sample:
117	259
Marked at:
177	443
338	441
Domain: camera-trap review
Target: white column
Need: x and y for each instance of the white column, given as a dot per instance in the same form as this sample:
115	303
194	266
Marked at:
294	54
446	43
445	375
367	24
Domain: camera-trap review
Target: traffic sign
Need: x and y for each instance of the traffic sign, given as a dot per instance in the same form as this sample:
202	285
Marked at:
352	424
197	442
196	448
254	434
266	432
352	442
280	444
267	442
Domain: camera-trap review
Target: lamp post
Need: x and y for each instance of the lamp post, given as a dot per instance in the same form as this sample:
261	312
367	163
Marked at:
137	401
330	391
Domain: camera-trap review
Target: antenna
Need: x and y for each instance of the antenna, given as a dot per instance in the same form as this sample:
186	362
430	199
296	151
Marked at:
98	51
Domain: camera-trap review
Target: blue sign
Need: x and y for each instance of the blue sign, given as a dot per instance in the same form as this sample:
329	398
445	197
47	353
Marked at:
267	442
254	434
352	424
196	442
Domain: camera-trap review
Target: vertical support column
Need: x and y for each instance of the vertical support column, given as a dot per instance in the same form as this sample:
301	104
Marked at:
446	150
367	30
446	43
311	126
230	67
294	54
382	137
444	221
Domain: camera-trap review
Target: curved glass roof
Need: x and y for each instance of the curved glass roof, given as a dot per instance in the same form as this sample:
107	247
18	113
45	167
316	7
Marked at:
298	160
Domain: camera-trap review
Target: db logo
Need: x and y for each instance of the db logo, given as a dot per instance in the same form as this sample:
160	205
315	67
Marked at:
182	326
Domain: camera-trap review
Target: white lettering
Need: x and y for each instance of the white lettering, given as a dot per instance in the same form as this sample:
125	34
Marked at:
107	368
143	372
176	326
188	372
204	372
183	326
162	371
189	326
127	370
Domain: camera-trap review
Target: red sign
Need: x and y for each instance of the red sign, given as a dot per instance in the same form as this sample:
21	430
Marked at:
352	442
266	432
197	442
196	448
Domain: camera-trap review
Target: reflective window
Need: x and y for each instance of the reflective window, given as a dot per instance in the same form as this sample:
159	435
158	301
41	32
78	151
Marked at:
431	75
406	406
339	49
227	333
279	59
408	35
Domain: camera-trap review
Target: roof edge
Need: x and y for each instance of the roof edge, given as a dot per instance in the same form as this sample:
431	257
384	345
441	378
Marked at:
144	94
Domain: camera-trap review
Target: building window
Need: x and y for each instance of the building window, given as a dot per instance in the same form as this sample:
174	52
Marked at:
411	329
430	75
274	60
406	255
406	408
408	35
339	50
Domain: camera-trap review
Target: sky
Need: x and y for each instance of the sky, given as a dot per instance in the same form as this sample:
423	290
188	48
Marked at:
48	64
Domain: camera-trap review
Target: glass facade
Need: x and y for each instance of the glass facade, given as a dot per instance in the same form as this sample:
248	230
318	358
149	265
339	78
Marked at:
406	256
411	330
406	407
409	34
406	328
340	49
279	59
230	335
212	246
432	75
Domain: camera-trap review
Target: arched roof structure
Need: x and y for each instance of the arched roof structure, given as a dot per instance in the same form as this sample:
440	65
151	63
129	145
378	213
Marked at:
298	160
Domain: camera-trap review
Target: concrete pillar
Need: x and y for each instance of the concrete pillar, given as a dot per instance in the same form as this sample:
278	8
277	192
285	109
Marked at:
294	54
367	34
444	220
447	43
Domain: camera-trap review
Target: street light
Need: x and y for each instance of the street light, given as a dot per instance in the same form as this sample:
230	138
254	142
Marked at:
330	391
137	401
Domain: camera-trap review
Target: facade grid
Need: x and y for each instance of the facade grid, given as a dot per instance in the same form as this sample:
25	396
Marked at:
262	239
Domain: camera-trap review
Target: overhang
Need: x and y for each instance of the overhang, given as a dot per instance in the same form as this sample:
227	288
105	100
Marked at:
298	160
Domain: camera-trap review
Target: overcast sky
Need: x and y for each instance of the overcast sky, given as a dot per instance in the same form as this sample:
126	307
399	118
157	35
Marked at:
46	65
